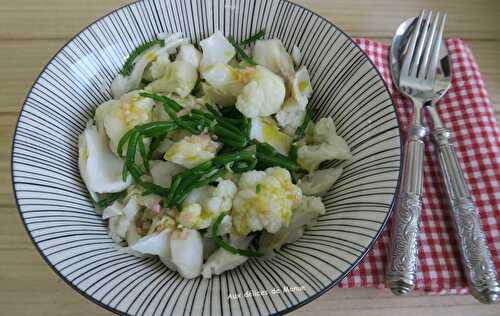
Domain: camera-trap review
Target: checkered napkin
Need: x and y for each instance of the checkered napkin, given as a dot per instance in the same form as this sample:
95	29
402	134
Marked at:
466	111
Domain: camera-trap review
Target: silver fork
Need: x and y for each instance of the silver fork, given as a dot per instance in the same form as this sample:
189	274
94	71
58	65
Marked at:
416	81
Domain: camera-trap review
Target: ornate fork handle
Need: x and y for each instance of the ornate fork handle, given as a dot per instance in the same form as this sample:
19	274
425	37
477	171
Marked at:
479	266
402	264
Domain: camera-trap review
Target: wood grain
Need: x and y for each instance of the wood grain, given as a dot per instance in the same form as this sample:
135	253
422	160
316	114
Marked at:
369	18
31	31
17	77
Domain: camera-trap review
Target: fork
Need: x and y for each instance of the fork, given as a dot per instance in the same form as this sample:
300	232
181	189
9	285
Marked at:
416	81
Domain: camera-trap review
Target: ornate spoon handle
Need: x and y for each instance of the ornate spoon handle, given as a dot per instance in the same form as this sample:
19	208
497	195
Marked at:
476	257
402	264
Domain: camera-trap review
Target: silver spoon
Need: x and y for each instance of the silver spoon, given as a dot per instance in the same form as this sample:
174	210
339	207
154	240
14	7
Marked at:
479	267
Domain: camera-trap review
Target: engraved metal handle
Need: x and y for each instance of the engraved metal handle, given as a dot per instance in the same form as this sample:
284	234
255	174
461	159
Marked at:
403	256
479	266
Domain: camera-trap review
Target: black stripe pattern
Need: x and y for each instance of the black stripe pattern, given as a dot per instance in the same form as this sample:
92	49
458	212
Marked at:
58	212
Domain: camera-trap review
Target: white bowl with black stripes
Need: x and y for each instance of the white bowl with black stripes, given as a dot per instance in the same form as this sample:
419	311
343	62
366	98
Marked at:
58	212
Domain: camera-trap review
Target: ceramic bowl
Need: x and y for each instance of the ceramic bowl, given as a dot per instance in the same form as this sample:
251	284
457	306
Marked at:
59	214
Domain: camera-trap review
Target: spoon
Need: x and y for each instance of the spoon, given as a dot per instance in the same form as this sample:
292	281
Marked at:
476	258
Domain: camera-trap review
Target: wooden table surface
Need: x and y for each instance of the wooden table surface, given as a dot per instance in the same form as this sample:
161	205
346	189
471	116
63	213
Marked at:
31	31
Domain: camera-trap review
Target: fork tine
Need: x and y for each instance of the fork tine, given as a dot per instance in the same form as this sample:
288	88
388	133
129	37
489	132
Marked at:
431	72
405	69
428	48
423	42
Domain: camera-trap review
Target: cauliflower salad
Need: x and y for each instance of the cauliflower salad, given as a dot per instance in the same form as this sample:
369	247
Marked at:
207	154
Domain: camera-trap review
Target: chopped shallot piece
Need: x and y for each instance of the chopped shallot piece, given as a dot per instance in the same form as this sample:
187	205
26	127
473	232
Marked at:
156	208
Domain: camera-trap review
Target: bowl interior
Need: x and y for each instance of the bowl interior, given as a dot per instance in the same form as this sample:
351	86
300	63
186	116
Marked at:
58	212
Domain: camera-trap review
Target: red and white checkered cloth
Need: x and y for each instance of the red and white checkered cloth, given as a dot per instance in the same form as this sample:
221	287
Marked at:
466	110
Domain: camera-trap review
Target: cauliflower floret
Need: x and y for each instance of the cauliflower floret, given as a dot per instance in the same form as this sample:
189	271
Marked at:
125	83
319	181
163	171
263	95
202	206
190	216
189	54
154	244
216	49
161	222
99	167
264	201
136	192
148	217
186	247
305	214
264	129
322	144
273	55
112	210
158	67
216	96
198	195
323	131
226	82
311	156
122	217
179	77
222	260
119	116
225	189
291	116
223	77
301	87
221	199
309	208
192	150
